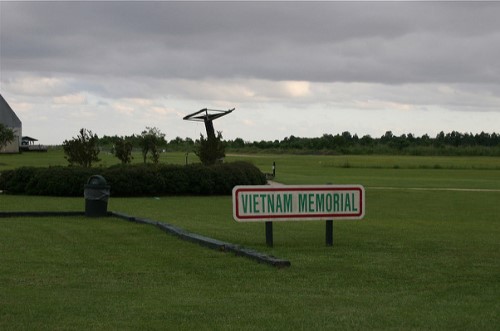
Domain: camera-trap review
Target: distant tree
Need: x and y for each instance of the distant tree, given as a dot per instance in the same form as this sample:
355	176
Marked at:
6	135
210	150
339	141
151	140
179	144
387	137
347	136
122	149
82	150
239	143
366	140
108	140
178	141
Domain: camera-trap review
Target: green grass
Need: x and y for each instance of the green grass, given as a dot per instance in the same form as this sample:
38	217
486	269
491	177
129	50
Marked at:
293	163
55	157
372	161
385	171
76	273
421	259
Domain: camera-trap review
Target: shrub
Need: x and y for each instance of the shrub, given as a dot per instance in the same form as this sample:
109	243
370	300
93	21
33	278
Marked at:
83	149
122	149
15	181
210	150
151	139
54	180
134	180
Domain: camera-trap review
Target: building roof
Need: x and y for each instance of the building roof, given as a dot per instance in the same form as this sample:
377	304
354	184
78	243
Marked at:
7	115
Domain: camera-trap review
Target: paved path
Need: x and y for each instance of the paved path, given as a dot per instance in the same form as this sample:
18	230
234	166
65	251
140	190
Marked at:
273	183
433	189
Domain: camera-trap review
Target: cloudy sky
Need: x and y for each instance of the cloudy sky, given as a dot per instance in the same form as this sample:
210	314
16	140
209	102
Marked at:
289	68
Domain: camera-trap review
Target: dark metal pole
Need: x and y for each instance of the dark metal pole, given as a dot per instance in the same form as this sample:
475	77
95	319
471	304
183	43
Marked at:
269	234
209	126
329	233
329	230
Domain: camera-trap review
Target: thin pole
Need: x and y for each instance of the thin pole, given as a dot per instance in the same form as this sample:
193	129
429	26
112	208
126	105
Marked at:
329	233
269	234
329	230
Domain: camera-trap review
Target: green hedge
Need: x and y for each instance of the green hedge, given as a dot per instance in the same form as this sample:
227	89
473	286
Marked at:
134	180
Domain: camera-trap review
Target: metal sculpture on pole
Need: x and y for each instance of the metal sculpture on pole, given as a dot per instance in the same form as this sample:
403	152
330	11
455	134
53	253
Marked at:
207	116
210	150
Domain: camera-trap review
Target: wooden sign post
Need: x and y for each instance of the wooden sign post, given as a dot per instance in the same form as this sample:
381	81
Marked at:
263	203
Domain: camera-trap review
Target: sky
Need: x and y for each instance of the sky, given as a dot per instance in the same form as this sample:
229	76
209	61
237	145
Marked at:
289	68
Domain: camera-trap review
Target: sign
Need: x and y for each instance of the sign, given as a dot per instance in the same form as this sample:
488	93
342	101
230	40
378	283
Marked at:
264	203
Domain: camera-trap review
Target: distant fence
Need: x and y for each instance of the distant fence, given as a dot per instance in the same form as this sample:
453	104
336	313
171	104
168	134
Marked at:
33	148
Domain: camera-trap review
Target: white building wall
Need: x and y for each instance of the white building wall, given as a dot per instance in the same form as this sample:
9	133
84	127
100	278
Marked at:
13	147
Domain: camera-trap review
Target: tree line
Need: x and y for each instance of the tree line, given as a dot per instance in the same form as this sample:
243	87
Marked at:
346	140
84	149
452	143
151	141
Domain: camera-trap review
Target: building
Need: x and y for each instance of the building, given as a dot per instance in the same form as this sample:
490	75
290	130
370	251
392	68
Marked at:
28	145
10	120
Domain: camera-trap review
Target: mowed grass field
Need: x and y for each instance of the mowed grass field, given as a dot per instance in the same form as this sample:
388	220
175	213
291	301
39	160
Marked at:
426	255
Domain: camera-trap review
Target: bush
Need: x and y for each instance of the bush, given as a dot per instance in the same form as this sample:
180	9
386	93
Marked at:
15	181
122	149
53	180
134	180
83	149
210	150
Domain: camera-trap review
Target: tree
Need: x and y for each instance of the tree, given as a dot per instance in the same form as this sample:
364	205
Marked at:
82	150
151	139
6	135
387	137
122	149
238	143
366	140
210	150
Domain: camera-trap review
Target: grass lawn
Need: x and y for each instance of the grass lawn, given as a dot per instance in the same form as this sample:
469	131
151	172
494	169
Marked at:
421	259
55	157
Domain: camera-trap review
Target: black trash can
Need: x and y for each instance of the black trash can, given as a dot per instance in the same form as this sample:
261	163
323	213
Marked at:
96	195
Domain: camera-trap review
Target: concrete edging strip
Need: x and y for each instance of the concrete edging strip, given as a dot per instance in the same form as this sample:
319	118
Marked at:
5	214
209	242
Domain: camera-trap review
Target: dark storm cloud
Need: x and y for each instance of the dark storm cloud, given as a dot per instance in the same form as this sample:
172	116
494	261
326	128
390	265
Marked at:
383	42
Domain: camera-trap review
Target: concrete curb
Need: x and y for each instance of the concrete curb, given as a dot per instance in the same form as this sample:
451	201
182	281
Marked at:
4	214
208	242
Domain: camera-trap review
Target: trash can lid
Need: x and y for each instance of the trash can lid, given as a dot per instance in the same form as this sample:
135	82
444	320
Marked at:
96	180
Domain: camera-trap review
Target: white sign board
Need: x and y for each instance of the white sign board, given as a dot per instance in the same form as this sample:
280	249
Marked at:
263	203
